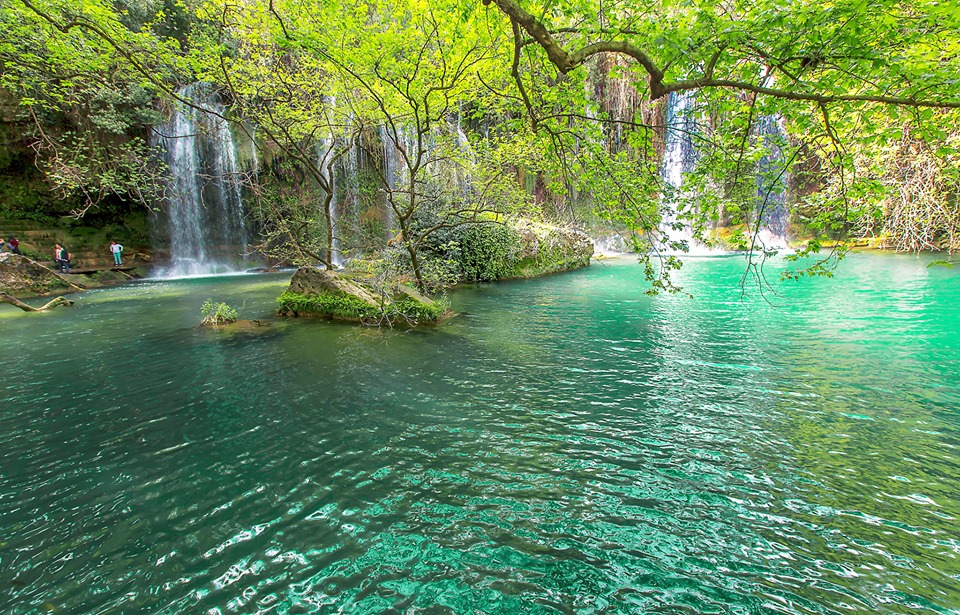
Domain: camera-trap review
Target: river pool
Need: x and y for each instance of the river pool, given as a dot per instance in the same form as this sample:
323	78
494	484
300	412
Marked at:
564	445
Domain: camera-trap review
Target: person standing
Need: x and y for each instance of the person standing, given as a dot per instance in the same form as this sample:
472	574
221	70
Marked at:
62	257
117	250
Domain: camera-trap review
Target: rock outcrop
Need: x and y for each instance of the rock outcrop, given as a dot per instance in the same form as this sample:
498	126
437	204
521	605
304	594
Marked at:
311	281
23	277
514	248
547	249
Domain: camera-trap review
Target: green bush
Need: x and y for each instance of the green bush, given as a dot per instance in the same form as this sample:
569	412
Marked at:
327	304
345	307
215	314
553	254
488	252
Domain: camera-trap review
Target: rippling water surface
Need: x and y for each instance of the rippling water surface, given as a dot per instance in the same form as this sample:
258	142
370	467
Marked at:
565	445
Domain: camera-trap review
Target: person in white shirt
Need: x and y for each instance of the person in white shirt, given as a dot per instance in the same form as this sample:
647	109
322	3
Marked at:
117	250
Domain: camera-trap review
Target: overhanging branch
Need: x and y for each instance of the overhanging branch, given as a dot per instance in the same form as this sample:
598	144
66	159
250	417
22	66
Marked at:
566	61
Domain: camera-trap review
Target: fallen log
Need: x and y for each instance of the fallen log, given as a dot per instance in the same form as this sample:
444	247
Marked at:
5	298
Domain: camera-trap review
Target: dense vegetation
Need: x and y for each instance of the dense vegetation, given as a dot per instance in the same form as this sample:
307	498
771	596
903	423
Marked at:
561	106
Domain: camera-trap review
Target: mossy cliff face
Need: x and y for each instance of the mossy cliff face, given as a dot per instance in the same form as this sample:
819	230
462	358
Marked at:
546	249
327	294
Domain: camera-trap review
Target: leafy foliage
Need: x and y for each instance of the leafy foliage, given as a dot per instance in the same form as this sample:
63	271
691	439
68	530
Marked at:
217	313
346	307
80	108
488	252
564	105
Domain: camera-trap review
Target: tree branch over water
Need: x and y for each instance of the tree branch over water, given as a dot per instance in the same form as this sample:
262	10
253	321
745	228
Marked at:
567	60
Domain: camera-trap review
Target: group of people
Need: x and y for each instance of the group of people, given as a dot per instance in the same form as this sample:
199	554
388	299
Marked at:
12	244
62	257
60	254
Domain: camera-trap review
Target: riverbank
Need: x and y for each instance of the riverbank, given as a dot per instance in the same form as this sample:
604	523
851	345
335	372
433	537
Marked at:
23	277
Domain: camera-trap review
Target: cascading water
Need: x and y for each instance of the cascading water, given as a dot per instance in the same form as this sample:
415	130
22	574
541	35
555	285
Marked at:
391	172
610	245
772	184
204	215
679	157
395	166
357	207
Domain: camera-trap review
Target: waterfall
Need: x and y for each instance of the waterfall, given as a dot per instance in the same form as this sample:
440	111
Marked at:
771	184
610	245
374	167
255	158
394	166
390	172
204	212
679	157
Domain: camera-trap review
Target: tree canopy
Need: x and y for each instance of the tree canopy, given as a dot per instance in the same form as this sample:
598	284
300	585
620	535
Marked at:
865	93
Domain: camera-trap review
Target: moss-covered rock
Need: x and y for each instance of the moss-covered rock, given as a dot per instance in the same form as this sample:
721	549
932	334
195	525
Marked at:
508	247
407	304
547	249
327	294
326	304
312	281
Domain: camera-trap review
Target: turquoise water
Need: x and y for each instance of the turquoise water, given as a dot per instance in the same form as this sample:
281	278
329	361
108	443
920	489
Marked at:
565	445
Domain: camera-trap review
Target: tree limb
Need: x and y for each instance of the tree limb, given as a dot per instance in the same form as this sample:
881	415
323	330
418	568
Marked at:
566	61
5	298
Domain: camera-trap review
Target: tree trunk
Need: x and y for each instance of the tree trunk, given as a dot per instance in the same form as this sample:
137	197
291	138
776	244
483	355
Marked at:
415	262
412	251
5	298
405	225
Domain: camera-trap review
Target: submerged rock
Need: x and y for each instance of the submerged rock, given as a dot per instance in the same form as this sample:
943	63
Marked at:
328	294
239	325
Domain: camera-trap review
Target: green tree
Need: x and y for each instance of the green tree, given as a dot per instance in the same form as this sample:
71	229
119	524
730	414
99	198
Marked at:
80	107
845	78
848	80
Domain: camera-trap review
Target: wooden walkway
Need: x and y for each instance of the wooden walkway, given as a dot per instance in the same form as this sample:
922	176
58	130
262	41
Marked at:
85	270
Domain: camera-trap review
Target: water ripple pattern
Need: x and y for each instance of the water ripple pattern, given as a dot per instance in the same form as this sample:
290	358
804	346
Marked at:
565	445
